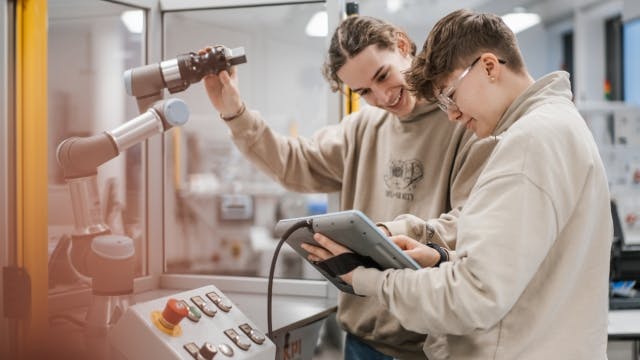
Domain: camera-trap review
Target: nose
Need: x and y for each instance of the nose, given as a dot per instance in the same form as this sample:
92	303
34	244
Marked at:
453	113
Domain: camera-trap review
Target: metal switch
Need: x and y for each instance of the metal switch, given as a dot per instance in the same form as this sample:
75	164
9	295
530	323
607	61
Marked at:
216	299
235	337
202	305
252	333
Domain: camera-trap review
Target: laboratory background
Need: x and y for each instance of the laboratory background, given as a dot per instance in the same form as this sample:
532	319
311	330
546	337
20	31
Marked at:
177	218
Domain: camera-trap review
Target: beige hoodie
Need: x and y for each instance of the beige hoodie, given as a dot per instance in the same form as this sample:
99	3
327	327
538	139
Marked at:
384	166
533	244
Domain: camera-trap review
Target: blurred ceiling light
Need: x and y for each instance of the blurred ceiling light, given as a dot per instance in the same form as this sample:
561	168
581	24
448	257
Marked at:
133	20
318	25
520	20
394	5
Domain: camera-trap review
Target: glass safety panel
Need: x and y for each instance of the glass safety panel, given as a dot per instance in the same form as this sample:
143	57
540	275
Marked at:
221	210
91	43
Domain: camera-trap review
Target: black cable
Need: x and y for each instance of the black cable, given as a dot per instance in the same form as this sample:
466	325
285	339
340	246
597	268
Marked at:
298	225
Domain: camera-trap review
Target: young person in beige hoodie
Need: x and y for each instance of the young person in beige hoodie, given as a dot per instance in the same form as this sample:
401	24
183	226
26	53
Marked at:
529	279
397	156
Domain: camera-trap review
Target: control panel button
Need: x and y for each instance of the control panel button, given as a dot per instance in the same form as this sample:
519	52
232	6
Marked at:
202	305
252	333
216	299
208	351
174	311
192	349
225	349
194	314
235	337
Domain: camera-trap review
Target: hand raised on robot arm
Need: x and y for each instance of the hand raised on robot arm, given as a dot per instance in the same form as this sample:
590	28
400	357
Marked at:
222	89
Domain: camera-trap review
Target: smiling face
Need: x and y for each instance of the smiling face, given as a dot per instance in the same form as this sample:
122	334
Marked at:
471	95
377	75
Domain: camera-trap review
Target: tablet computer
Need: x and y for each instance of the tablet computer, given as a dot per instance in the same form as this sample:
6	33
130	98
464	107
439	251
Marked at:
353	230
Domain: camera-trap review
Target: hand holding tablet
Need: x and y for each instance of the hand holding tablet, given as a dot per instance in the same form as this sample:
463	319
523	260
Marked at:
354	231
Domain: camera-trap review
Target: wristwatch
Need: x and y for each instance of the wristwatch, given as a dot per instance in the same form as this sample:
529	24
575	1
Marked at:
444	255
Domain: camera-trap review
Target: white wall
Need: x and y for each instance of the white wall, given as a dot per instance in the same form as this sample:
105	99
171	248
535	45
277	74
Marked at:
554	33
631	10
535	50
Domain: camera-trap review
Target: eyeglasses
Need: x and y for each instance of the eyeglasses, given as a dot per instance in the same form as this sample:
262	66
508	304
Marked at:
445	102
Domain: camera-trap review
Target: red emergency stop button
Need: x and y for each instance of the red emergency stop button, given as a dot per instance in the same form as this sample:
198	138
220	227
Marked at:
173	313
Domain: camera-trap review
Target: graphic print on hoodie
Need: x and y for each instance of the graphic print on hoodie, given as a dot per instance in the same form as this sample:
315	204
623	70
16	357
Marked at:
401	178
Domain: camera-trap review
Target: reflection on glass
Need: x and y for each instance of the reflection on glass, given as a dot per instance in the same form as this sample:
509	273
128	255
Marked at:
89	47
220	210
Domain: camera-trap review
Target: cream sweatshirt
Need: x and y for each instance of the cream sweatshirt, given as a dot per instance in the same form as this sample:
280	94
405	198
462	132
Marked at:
533	243
384	166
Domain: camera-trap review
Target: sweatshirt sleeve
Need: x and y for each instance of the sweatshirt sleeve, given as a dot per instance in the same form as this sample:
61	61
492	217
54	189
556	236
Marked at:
425	230
505	233
300	164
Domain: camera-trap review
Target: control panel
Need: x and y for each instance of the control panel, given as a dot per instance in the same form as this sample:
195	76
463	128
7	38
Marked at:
200	324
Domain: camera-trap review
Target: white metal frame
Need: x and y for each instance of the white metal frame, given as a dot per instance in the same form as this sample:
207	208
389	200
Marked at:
154	157
4	137
319	288
313	288
183	5
7	154
152	163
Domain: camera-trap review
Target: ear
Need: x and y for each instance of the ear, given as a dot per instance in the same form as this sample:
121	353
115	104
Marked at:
403	44
489	63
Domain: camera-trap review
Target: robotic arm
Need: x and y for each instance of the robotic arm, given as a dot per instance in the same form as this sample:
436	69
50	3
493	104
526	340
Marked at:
96	256
80	158
147	82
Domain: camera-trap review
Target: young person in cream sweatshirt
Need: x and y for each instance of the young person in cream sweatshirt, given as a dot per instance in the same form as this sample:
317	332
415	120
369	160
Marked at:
529	278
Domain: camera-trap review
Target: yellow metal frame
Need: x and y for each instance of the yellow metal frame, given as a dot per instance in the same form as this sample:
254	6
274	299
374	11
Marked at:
352	101
31	165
